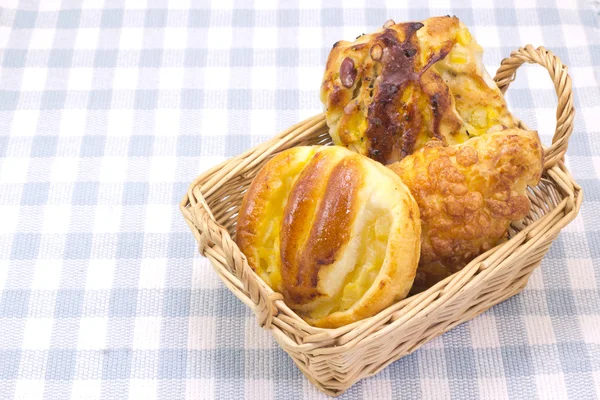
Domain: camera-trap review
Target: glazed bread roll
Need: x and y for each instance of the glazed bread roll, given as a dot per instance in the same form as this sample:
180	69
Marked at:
335	232
387	93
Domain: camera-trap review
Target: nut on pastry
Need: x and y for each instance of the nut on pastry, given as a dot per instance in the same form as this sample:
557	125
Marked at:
389	92
468	194
333	231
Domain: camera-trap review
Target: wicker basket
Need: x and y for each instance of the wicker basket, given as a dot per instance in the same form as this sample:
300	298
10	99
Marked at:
334	359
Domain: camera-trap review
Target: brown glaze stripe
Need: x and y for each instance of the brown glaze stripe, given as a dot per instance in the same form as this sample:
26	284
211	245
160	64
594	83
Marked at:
399	70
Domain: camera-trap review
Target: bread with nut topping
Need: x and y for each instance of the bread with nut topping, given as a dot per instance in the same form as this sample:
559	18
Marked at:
390	92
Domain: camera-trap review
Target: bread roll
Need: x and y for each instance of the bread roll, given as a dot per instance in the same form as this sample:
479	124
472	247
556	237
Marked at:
468	195
387	93
335	232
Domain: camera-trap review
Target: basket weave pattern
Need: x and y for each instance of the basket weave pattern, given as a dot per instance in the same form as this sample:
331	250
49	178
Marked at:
334	359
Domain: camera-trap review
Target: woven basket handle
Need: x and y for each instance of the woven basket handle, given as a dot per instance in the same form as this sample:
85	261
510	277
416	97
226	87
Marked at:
565	113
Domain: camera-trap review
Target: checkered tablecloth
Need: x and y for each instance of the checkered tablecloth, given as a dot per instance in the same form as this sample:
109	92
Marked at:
109	109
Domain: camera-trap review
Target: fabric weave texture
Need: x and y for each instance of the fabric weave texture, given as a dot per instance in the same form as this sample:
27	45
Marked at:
109	110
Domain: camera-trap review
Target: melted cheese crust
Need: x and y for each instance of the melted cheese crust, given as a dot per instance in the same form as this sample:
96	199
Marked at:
468	195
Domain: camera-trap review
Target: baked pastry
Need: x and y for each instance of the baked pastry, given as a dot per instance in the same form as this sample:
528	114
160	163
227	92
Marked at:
333	231
468	194
389	92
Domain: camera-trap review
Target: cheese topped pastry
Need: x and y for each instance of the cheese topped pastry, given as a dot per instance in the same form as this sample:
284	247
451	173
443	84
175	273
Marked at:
468	195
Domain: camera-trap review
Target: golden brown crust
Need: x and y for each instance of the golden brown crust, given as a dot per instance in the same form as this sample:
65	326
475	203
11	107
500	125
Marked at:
388	93
468	194
339	238
307	216
267	196
332	224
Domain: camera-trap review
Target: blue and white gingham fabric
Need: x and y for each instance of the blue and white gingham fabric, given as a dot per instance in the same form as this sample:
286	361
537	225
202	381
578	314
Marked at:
108	110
